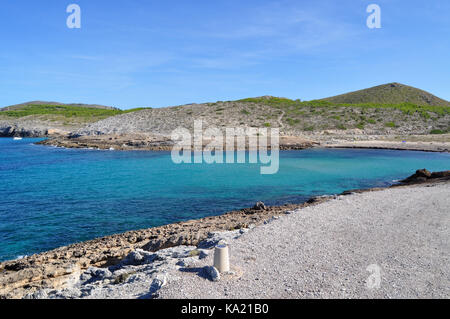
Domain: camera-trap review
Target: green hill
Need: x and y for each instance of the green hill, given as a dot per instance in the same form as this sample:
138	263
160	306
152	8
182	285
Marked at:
394	109
391	93
38	118
88	112
35	103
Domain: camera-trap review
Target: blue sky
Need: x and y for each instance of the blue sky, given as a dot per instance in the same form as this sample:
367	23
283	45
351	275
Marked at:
159	53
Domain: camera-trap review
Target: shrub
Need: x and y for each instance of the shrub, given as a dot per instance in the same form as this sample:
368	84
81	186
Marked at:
67	111
406	108
436	131
390	124
292	121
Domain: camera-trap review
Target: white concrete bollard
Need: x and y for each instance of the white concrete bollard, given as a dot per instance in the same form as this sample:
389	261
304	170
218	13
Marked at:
222	258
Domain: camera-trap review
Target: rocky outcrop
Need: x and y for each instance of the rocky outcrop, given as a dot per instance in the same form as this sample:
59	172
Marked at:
10	130
259	206
29	129
423	176
148	142
112	142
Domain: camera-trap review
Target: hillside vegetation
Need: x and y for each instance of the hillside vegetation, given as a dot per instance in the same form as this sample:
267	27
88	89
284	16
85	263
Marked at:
324	115
359	112
22	105
30	119
292	117
66	111
391	93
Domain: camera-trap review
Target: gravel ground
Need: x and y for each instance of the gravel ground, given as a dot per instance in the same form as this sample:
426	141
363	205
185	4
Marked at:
335	250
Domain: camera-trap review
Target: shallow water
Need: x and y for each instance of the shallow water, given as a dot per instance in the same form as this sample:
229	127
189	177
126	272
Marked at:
52	197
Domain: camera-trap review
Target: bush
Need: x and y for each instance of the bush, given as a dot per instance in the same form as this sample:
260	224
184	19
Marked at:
292	122
406	108
390	124
437	131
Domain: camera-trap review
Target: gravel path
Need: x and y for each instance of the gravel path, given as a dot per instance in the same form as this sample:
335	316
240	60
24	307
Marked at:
335	250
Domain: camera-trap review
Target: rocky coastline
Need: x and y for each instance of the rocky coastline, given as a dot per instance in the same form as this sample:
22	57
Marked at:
55	269
145	142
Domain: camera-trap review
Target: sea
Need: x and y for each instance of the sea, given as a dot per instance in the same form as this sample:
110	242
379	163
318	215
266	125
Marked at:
51	197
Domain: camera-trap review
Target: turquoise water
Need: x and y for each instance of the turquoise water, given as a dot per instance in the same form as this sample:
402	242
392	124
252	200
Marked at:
52	197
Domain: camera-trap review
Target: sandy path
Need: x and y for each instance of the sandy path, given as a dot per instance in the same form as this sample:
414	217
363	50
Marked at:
324	251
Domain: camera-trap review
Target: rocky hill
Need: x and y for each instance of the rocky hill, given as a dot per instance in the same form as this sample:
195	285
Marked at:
49	118
392	93
33	103
293	117
390	109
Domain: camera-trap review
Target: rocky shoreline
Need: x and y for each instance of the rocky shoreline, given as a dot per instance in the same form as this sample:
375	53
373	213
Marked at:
138	142
145	142
54	269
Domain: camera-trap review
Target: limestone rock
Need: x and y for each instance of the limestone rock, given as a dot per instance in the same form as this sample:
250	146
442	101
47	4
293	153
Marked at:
259	206
212	273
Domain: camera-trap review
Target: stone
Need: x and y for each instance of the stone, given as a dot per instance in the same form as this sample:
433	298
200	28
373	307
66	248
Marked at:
423	175
100	273
139	257
259	206
440	174
133	258
40	294
212	273
157	283
203	254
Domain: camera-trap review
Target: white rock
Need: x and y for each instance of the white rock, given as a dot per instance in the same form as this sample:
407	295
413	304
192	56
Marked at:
157	283
213	273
